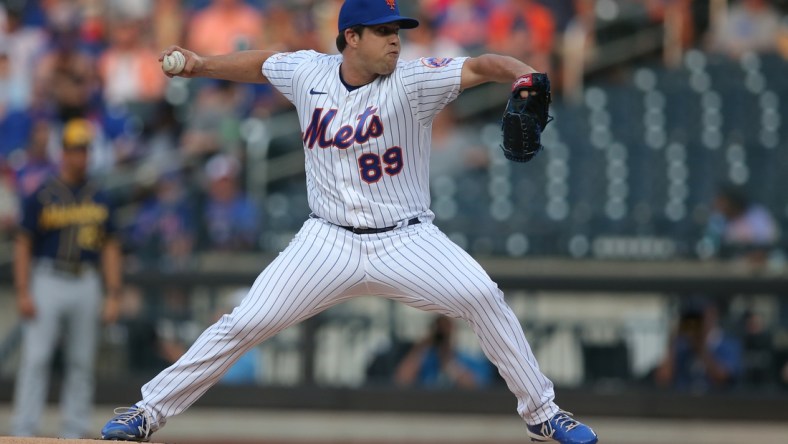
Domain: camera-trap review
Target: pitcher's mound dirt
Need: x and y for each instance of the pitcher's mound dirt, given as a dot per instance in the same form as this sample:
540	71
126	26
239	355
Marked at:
4	440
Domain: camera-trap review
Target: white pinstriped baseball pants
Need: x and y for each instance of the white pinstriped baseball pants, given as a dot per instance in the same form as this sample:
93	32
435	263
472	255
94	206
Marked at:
325	265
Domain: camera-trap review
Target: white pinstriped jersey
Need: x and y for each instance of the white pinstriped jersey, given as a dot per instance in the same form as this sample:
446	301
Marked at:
367	150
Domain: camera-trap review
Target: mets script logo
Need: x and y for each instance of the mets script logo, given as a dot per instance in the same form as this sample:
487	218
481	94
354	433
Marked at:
436	62
369	126
392	4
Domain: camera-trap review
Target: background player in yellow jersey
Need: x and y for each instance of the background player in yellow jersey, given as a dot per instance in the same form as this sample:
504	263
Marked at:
66	239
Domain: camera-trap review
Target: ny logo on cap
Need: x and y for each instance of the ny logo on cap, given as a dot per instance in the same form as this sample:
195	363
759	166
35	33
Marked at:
392	4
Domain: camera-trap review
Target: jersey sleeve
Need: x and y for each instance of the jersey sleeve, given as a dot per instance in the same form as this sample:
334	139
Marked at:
280	69
432	83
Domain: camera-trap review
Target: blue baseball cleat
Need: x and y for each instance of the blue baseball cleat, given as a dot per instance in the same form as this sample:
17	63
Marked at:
563	429
129	424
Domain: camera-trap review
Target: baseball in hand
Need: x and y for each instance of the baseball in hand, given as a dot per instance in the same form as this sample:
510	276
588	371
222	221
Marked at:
174	62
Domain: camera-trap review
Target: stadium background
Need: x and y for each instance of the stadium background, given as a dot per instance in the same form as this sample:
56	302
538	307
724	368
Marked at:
600	243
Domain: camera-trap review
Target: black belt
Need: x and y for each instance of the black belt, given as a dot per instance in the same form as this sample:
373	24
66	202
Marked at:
70	268
355	230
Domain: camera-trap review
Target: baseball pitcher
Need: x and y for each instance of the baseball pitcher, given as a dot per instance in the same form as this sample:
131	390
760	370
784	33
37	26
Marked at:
366	119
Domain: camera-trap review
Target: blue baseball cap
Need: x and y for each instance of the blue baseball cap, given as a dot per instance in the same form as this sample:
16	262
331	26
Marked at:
372	12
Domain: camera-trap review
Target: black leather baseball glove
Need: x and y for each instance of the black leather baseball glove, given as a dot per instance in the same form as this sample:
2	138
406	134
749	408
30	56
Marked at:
526	117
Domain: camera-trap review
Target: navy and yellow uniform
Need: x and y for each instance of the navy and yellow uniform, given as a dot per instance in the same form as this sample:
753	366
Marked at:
68	225
63	249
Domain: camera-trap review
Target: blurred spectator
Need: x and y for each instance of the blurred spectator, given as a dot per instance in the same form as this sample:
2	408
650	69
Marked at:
22	45
524	29
230	220
92	25
214	122
463	22
226	26
129	69
163	232
751	25
434	361
739	228
700	356
37	166
423	41
15	128
66	75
